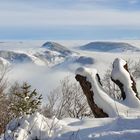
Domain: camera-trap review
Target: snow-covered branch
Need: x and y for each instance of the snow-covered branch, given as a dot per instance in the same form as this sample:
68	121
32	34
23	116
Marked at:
101	104
121	76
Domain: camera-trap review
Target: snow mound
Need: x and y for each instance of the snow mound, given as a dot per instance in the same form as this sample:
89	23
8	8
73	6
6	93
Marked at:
109	47
57	47
33	127
37	127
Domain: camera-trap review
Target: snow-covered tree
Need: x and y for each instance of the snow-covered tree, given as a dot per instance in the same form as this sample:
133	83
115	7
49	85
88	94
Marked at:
111	88
23	100
101	104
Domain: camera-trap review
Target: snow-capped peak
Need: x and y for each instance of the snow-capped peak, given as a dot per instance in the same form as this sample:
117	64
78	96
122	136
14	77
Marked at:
57	47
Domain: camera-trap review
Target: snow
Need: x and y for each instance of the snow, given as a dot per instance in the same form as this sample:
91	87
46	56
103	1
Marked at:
124	119
37	126
30	127
119	73
110	46
100	97
39	57
4	62
57	47
111	107
48	54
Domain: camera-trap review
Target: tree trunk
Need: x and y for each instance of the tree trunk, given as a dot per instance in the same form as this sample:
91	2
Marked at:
86	87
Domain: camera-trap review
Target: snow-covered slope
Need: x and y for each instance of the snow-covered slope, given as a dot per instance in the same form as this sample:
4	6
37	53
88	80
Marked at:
109	47
37	127
52	53
4	62
57	47
14	57
49	53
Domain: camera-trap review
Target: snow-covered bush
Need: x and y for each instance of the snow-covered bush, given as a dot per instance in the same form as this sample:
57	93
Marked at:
32	127
110	87
136	70
5	112
67	100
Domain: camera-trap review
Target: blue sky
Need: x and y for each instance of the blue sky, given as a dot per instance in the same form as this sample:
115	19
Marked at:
69	19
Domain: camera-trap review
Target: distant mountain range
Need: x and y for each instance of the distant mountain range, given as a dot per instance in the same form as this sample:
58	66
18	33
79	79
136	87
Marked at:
48	53
52	53
109	47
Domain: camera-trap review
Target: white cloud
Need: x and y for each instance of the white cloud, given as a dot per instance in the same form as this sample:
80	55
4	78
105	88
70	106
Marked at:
41	78
56	17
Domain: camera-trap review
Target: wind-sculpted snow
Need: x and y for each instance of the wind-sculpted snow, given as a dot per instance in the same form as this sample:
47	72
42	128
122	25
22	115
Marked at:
110	47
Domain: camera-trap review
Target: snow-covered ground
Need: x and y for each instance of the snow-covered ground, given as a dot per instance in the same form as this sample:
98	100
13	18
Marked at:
37	127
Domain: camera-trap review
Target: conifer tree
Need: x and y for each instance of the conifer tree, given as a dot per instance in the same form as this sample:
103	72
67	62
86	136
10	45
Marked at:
26	101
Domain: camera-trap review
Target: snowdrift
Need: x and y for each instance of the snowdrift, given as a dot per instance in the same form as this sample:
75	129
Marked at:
37	127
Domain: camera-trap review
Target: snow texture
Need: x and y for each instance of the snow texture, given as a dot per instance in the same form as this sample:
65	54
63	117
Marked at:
37	127
32	127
